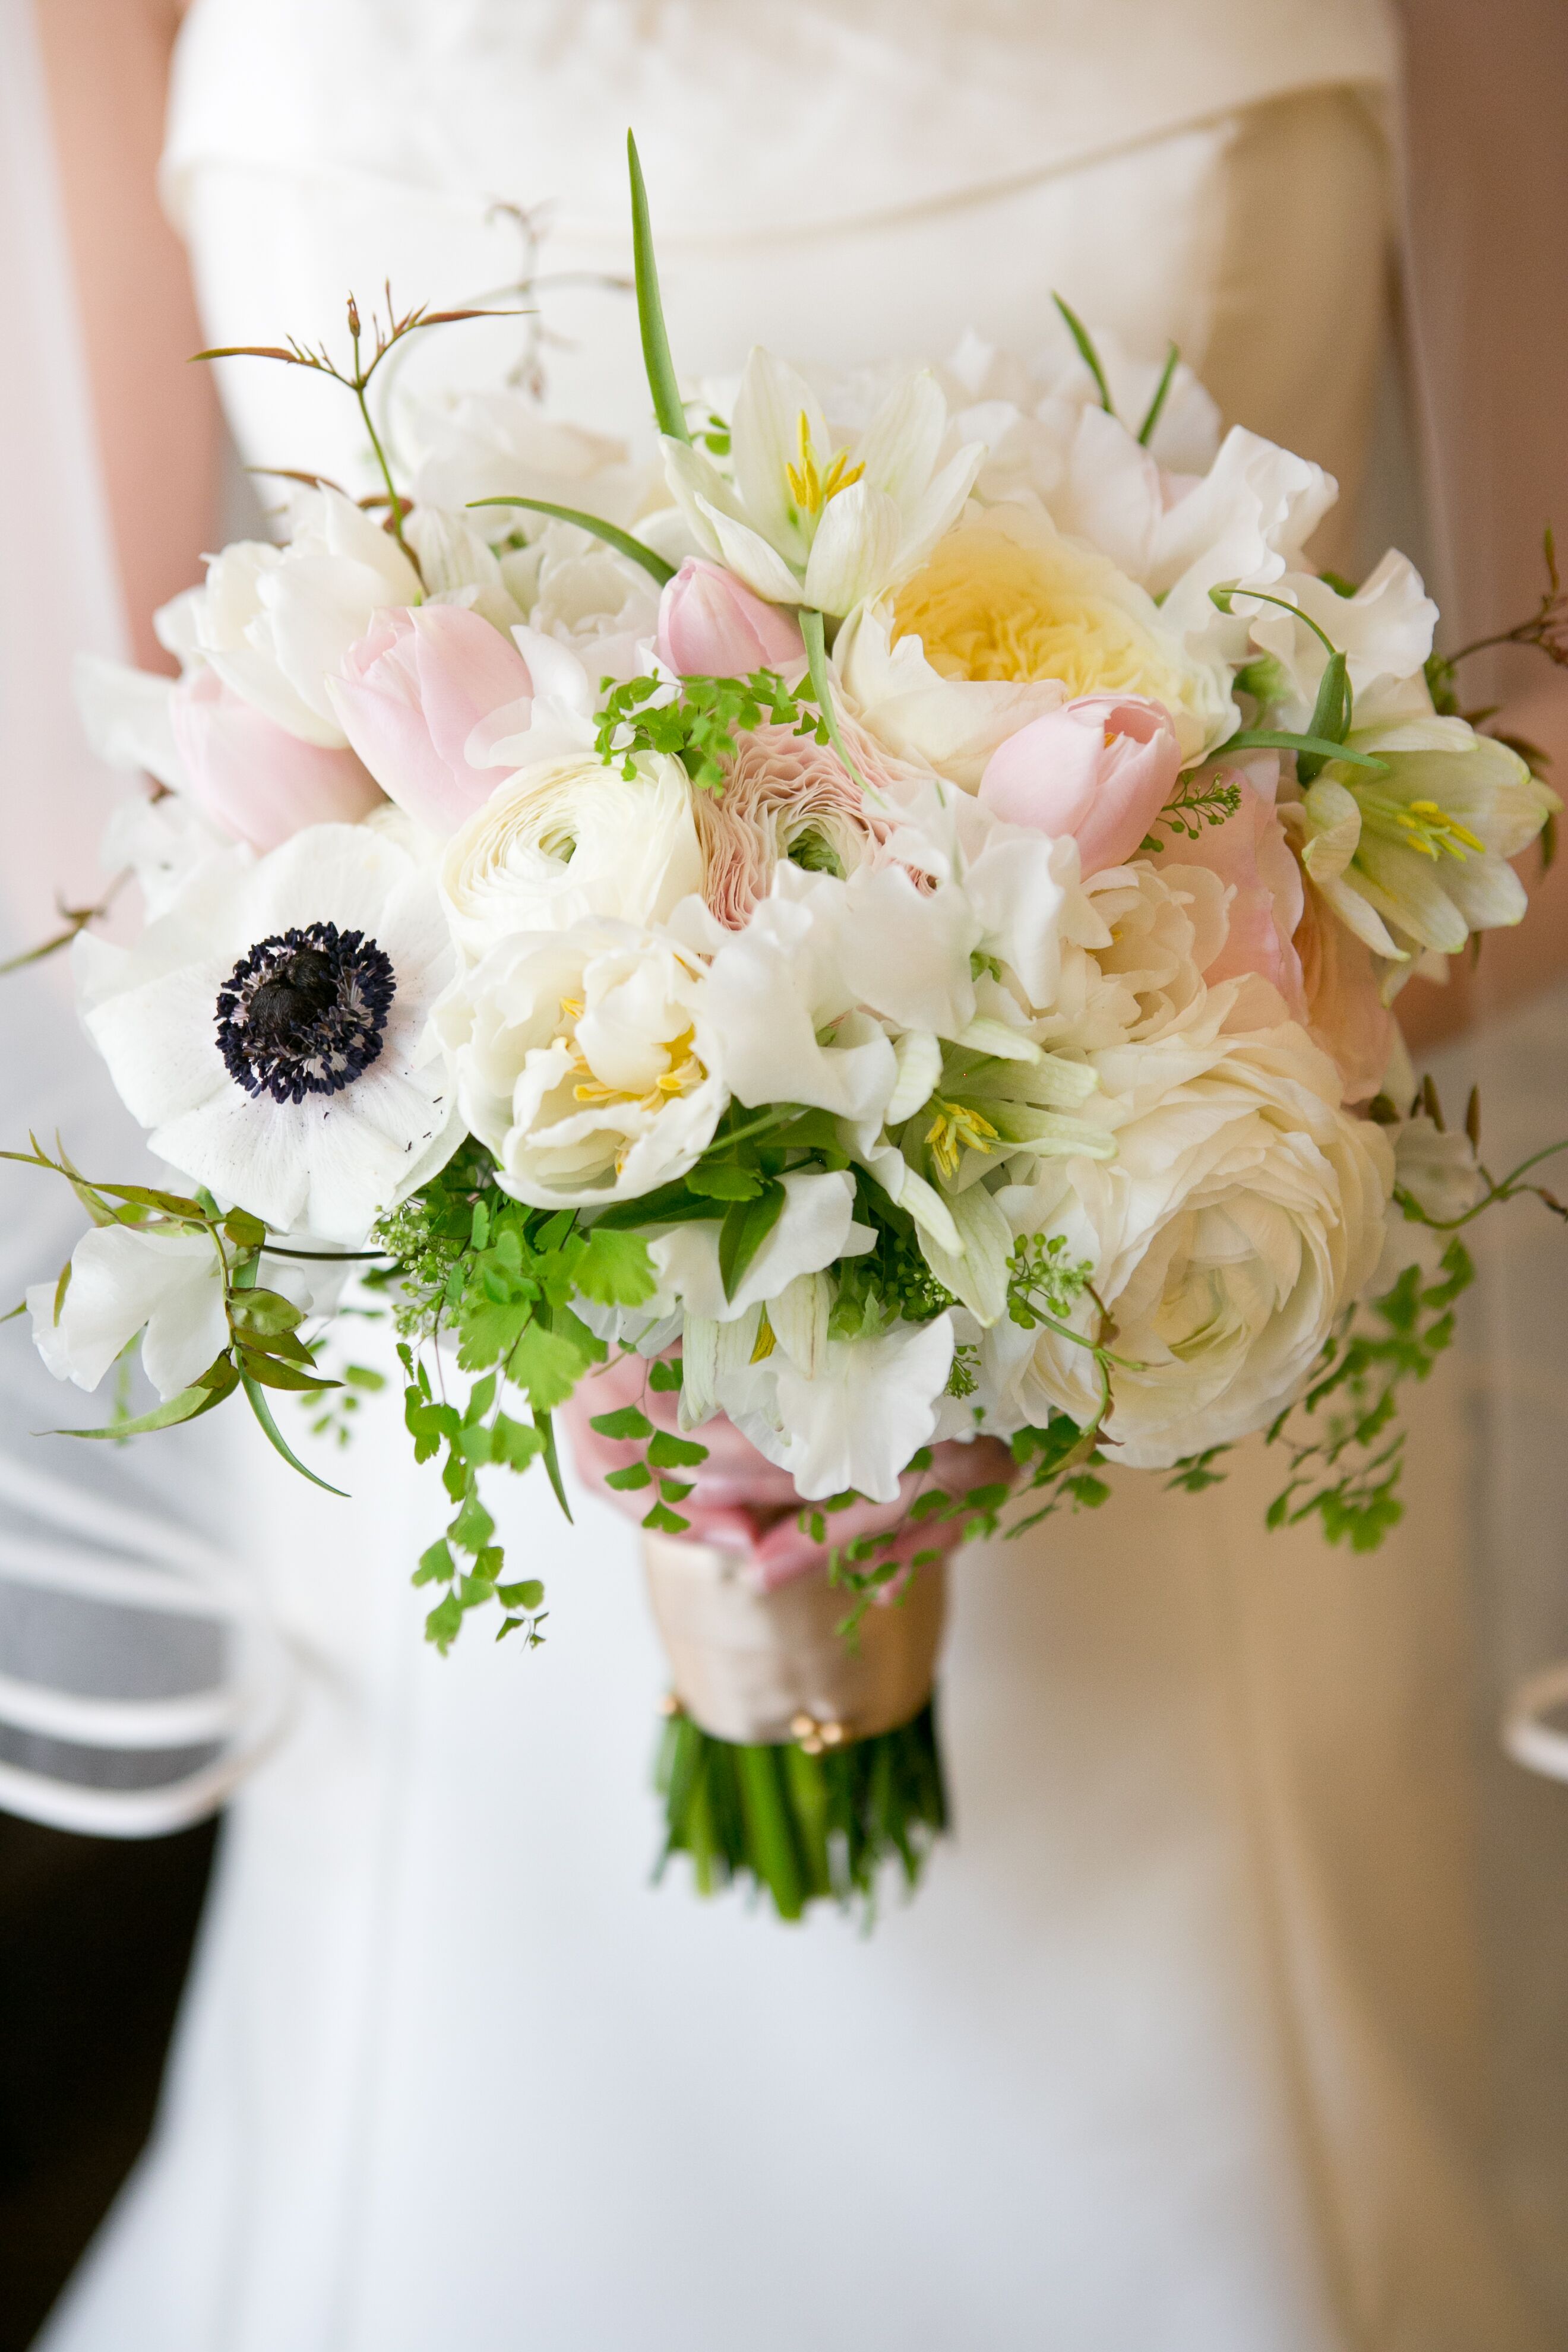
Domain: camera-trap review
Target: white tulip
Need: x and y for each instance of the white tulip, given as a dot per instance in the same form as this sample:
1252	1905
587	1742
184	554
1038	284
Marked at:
276	622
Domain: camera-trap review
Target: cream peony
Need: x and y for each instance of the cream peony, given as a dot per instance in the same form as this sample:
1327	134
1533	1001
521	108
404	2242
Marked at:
584	1061
1006	621
1243	1213
572	838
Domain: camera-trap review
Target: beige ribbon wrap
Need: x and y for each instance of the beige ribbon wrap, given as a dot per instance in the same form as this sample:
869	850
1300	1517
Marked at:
767	1667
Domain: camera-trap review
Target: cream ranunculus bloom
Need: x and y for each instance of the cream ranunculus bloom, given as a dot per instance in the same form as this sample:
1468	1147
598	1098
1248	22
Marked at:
584	1061
1243	1213
1006	620
571	838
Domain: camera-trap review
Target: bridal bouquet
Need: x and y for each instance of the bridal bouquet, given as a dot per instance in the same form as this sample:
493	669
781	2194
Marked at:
868	945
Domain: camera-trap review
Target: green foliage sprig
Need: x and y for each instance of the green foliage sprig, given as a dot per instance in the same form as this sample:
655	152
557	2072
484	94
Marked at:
700	726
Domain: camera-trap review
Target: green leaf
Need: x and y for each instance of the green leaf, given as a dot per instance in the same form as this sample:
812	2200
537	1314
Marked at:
436	1565
1162	392
473	1527
621	540
667	1452
1330	722
246	1232
526	1595
547	1365
445	1622
546	1429
361	1376
666	1522
276	1439
186	1406
513	1444
813	630
624	1424
1088	353
273	1372
480	1398
616	1269
664	1377
724	1180
628	1481
674	1490
746	1226
1275	739
667	402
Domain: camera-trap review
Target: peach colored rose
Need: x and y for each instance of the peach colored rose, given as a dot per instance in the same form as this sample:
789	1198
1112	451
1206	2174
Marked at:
1101	768
253	776
1345	1012
410	694
1252	856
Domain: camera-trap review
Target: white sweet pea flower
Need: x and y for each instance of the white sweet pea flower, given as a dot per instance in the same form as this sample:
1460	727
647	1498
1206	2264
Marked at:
483	445
275	623
805	523
569	838
1417	856
787	1017
1437	1167
165	1284
1385	632
871	1405
585	1061
267	1030
815	1227
1008	620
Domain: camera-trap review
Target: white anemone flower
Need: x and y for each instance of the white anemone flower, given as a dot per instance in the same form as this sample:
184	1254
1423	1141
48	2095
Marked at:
166	1283
584	1061
569	838
804	522
1419	854
267	1030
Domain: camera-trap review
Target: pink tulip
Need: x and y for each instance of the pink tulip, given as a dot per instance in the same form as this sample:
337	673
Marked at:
1101	768
709	625
1251	856
257	780
410	694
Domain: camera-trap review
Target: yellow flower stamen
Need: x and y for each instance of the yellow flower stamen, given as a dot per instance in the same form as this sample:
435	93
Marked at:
764	1346
957	1127
1425	827
682	1071
809	487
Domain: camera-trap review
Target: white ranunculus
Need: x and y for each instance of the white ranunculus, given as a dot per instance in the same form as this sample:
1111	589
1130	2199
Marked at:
585	1062
276	622
804	522
1008	619
576	590
1140	970
872	1404
569	838
164	1283
298	1090
1243	1213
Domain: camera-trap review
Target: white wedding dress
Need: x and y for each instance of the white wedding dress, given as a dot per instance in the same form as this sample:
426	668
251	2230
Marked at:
1183	2046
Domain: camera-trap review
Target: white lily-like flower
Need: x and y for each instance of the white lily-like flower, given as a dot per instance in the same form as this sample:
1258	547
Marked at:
163	1282
804	522
1417	856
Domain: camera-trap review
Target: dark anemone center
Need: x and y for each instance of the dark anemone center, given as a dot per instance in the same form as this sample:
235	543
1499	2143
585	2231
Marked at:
305	1012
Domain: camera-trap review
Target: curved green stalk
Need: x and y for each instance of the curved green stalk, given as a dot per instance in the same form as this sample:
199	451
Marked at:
621	540
667	406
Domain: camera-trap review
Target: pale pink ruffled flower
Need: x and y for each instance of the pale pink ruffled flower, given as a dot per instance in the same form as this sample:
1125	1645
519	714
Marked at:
783	793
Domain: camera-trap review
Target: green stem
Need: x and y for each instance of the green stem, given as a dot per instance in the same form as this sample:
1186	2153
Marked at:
812	628
667	406
1087	352
1162	390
